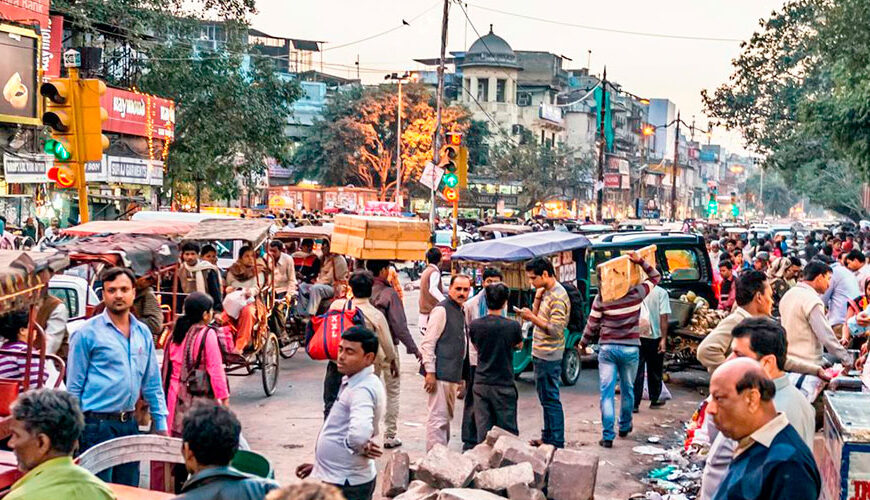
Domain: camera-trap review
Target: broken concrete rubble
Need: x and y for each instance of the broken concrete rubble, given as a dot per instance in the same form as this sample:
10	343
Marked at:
480	455
418	490
495	433
572	475
467	494
523	492
443	468
499	480
511	450
396	474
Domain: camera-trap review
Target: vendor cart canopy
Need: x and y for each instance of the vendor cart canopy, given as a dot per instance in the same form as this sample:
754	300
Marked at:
324	231
505	228
521	247
24	277
254	231
159	227
141	253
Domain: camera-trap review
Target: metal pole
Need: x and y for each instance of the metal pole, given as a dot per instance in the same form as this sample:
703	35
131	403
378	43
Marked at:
674	171
81	182
602	141
439	98
198	195
399	201
760	193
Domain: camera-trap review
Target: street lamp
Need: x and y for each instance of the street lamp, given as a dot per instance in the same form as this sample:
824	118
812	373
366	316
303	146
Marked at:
398	79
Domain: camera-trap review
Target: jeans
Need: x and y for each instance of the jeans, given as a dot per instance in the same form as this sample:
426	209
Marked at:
469	428
316	295
613	359
653	361
547	380
98	431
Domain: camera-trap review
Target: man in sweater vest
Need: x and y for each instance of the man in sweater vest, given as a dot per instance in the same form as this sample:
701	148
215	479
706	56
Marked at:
616	326
771	460
803	316
445	360
431	290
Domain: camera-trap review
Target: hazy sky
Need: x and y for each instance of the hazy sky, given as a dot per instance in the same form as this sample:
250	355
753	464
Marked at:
648	66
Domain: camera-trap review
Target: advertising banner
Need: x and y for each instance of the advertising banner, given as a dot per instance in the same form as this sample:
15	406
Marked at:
52	46
138	114
19	51
26	11
611	181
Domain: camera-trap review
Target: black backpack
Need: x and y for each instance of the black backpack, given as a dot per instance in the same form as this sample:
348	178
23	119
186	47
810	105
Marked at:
575	315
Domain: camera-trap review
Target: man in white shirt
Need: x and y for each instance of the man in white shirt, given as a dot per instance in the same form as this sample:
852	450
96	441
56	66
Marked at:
653	342
285	271
856	261
344	454
715	255
431	289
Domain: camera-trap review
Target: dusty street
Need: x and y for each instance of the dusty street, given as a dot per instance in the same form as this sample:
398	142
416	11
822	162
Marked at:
285	426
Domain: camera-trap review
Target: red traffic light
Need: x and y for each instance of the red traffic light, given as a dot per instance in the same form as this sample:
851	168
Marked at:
451	194
453	138
64	177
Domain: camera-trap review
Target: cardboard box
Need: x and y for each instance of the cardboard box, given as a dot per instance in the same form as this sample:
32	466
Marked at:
617	276
371	237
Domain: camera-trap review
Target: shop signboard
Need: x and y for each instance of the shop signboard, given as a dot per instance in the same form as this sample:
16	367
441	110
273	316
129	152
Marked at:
52	44
29	168
138	114
550	113
26	11
19	55
646	208
124	170
612	181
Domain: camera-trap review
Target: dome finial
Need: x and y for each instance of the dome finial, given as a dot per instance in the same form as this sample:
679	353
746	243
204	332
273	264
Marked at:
490	28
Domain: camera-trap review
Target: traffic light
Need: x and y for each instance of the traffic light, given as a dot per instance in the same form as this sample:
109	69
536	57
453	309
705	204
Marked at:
59	116
450	161
93	115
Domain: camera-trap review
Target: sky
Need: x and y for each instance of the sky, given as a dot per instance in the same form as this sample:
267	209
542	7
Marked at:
654	67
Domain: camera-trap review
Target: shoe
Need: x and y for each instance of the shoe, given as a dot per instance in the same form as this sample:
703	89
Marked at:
606	443
622	434
657	404
392	442
636	409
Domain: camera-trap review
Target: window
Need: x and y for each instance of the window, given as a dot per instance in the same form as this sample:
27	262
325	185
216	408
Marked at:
683	264
499	90
69	297
467	87
483	89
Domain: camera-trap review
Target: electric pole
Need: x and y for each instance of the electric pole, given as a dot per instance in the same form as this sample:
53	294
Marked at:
439	97
602	141
674	171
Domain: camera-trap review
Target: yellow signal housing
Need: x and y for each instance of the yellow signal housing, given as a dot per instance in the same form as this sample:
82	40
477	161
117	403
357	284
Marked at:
59	116
93	115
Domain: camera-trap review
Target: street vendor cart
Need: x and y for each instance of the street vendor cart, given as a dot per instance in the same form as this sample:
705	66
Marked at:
567	252
844	461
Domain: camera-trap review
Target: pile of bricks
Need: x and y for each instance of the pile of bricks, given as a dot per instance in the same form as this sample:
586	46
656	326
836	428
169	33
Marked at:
503	466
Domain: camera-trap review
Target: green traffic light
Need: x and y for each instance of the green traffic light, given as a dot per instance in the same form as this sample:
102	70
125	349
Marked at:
61	152
451	180
49	146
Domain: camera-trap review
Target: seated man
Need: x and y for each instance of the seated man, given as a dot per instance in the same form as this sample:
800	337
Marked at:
284	270
45	429
306	261
210	437
199	275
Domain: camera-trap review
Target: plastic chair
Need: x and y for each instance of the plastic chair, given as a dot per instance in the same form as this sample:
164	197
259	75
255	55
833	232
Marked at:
145	448
253	463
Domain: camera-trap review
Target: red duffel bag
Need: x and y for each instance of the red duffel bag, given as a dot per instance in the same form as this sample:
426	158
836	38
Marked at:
323	333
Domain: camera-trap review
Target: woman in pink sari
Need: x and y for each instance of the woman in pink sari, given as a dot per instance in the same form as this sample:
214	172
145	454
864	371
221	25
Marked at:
194	350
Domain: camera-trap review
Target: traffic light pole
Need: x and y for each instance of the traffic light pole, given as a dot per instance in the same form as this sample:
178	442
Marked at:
602	141
439	97
674	171
81	183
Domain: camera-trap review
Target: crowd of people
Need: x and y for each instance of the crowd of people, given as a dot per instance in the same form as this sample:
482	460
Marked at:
787	313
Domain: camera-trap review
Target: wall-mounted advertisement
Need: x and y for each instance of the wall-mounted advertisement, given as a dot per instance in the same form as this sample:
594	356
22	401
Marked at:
19	59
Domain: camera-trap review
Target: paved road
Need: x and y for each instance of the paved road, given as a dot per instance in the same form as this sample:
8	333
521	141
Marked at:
284	427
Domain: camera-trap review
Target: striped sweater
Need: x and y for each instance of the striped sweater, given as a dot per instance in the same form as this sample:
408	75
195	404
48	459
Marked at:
617	322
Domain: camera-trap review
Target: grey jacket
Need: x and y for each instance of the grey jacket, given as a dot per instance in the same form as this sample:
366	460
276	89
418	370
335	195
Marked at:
225	483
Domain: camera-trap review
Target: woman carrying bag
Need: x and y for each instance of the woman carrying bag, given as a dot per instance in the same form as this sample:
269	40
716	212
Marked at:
193	365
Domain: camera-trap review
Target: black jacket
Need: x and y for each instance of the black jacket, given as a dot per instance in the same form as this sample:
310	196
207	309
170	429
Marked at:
225	483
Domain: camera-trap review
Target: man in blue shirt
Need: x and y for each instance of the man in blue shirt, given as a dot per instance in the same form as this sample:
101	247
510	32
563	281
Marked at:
771	460
111	363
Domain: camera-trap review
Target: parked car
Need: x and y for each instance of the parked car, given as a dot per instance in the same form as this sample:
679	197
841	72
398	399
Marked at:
77	296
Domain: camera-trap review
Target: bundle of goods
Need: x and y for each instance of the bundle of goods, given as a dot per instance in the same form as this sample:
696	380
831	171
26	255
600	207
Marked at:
372	237
703	319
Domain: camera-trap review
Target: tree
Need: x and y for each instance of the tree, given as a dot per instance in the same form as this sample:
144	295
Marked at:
799	94
355	141
231	105
778	198
545	173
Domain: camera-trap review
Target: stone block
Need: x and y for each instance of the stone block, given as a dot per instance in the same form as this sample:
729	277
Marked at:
443	468
480	455
572	475
511	450
397	474
495	433
523	492
418	490
499	480
467	494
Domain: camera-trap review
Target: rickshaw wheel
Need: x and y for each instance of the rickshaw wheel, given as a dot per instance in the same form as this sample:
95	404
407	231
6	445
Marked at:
570	366
268	360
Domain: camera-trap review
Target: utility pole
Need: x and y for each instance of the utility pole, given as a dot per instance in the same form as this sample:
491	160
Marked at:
760	191
674	171
439	98
602	141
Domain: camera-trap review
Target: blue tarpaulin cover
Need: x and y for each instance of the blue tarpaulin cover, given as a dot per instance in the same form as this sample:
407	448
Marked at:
520	247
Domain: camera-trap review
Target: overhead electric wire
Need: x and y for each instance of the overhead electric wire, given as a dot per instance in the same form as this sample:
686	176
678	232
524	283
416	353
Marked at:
610	30
382	33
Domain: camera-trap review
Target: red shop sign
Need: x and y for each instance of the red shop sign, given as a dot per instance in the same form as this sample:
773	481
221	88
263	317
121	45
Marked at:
52	41
25	11
611	180
138	114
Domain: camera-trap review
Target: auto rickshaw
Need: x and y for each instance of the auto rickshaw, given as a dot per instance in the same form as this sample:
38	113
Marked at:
567	251
263	351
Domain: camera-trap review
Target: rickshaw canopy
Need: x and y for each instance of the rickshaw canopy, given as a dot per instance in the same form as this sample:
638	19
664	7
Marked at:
253	231
24	277
173	229
324	231
520	247
141	253
505	228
